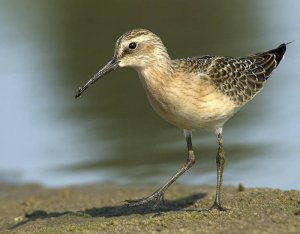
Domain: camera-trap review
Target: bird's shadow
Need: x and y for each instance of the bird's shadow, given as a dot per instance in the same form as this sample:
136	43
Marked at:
114	211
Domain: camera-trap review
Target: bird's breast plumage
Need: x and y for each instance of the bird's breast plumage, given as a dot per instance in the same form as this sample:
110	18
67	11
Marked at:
187	101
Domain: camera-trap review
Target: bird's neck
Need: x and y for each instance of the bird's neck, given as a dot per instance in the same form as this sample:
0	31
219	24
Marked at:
157	73
160	68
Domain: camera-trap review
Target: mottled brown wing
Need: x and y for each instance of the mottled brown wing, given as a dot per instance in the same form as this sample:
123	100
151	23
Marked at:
241	78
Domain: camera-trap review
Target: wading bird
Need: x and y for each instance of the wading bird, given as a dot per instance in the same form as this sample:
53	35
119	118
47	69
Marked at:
191	93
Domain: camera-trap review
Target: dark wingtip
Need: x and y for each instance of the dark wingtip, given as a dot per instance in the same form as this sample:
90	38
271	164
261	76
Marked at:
279	51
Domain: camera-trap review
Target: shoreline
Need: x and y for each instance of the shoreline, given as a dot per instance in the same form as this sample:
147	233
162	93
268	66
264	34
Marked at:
100	208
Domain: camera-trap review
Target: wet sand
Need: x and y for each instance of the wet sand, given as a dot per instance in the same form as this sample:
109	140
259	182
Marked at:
100	208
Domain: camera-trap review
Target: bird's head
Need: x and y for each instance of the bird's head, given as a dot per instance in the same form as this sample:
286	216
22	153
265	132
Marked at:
138	48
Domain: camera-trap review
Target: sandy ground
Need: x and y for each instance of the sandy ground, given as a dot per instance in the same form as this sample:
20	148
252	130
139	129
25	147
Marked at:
100	208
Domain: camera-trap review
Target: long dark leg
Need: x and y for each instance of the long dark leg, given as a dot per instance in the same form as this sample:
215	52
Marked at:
220	160
158	194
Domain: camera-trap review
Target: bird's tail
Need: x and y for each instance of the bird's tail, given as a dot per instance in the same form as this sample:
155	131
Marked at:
279	52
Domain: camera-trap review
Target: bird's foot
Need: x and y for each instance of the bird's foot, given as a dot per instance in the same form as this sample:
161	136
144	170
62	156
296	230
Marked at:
157	196
217	206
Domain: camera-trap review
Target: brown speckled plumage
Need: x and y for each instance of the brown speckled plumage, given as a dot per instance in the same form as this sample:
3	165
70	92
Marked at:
238	78
191	93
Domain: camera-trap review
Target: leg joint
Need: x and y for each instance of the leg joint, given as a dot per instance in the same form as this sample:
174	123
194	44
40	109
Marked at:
191	158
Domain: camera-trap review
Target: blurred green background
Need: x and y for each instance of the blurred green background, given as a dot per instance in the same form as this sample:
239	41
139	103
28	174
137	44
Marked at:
50	48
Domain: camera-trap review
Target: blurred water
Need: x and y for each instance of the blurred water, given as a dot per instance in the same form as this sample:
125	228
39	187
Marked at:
48	49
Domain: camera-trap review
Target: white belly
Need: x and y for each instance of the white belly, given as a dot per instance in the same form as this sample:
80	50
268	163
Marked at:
189	114
189	103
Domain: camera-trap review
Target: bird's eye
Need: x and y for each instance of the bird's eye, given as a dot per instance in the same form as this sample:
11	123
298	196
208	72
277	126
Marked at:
132	45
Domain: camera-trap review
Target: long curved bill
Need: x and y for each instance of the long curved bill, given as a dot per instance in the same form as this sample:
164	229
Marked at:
110	66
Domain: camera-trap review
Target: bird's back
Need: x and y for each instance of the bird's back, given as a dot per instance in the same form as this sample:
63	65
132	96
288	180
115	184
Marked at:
238	78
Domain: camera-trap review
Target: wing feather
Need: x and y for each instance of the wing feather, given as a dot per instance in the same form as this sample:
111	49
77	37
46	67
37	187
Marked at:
239	78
